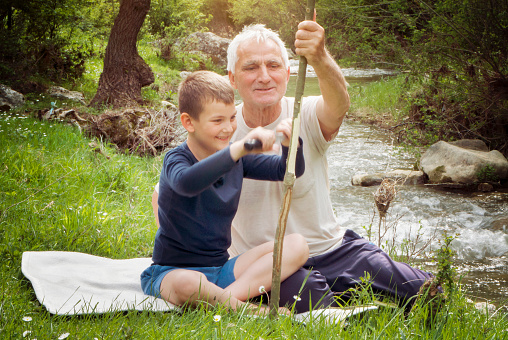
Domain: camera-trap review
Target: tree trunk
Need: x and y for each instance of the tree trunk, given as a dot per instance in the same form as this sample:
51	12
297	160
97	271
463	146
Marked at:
125	72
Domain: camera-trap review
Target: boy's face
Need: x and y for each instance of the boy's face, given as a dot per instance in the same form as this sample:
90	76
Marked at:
214	129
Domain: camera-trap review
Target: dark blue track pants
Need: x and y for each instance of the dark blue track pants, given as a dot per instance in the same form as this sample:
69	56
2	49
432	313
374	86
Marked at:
330	274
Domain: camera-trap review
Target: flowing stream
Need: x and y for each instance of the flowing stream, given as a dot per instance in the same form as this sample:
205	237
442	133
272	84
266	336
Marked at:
479	221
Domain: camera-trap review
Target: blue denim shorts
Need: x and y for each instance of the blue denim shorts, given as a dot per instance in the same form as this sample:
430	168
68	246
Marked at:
152	276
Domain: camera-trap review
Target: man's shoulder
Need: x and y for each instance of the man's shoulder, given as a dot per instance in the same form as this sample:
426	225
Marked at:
310	99
307	99
308	104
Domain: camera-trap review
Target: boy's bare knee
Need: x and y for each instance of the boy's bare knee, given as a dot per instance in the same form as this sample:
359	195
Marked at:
186	285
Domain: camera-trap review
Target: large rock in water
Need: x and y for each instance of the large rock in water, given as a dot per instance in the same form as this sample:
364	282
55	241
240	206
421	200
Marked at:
10	99
461	162
206	43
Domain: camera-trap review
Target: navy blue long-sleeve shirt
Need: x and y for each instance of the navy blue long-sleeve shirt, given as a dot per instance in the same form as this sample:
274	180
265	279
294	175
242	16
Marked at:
198	201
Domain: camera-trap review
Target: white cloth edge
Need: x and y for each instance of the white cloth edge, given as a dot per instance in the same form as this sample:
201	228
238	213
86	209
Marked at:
72	283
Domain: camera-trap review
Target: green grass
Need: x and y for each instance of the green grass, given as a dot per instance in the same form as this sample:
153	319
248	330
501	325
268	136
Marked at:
72	191
378	98
56	193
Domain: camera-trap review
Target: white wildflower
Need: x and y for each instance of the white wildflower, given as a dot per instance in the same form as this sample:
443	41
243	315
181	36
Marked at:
63	336
27	318
216	318
25	333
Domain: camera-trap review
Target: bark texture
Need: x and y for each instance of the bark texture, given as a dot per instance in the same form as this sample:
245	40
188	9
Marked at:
125	72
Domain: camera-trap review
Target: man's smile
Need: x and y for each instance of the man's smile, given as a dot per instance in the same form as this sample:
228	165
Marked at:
266	89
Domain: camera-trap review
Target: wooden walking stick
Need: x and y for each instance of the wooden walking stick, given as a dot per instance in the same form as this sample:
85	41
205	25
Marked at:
289	178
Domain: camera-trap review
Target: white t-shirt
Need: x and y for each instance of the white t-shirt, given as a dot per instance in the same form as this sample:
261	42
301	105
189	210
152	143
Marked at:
310	213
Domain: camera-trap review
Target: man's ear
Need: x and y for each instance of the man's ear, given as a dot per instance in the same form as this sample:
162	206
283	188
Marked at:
232	79
289	75
187	122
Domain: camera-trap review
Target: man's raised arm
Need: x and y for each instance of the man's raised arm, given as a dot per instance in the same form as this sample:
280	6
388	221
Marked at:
331	109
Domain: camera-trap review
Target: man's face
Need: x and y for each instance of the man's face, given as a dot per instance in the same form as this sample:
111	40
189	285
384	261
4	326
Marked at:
260	76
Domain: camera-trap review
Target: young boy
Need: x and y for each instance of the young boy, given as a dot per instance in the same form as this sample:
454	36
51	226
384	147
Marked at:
199	190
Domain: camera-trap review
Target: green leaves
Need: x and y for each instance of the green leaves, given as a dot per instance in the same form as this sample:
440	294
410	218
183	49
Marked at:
173	19
487	174
281	16
444	257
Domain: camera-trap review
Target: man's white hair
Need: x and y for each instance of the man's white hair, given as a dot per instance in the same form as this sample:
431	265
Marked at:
259	33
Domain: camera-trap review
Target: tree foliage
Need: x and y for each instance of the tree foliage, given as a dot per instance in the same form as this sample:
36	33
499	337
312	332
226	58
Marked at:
454	50
175	18
368	32
463	72
281	16
49	39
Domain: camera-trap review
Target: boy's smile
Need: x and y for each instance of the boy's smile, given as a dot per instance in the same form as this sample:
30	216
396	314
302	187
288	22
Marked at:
213	130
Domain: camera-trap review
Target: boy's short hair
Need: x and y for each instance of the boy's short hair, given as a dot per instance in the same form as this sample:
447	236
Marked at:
200	88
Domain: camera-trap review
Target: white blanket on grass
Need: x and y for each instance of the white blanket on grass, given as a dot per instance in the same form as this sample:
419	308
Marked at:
68	283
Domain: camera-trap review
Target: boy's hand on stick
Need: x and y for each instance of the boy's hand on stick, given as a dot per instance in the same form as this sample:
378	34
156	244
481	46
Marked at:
258	140
265	138
262	140
284	128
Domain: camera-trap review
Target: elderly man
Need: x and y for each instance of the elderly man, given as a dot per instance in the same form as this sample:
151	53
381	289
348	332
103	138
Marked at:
258	68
